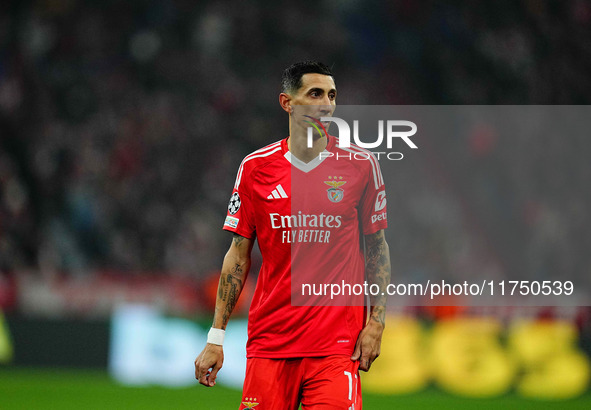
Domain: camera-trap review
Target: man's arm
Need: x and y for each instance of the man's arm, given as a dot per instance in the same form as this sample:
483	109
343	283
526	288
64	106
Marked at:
377	270
234	272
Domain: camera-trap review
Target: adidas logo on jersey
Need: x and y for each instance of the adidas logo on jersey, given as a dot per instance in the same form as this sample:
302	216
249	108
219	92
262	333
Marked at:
277	193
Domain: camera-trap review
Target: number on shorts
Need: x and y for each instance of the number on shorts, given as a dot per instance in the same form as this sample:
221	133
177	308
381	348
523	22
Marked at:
348	374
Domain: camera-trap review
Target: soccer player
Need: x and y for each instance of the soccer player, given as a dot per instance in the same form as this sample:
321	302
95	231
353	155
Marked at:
318	212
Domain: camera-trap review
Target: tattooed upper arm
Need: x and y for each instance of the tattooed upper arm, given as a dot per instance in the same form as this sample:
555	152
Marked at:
374	242
377	255
237	239
242	243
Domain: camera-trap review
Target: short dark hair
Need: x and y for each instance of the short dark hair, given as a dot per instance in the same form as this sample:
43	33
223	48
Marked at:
291	80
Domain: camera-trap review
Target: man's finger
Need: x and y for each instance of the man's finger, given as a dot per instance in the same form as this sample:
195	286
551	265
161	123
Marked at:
214	373
357	351
205	375
197	369
364	364
204	378
365	361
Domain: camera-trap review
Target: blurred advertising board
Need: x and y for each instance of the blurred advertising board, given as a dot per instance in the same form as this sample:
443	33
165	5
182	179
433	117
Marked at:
96	295
148	348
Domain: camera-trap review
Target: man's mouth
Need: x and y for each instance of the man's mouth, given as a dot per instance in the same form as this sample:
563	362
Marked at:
316	120
324	123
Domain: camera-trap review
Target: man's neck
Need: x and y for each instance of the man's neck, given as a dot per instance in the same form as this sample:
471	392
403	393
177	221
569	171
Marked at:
298	146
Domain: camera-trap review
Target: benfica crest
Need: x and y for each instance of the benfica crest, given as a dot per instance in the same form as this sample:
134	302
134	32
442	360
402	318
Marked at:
335	193
250	403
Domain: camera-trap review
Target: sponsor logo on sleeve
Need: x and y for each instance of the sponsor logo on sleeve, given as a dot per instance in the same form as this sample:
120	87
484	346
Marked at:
378	217
231	222
380	201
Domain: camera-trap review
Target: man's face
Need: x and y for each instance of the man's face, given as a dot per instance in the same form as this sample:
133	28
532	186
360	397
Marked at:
318	93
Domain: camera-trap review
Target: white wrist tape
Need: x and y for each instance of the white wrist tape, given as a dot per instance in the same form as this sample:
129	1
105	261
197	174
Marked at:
216	336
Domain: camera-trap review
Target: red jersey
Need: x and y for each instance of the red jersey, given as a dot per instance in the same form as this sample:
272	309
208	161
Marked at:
309	219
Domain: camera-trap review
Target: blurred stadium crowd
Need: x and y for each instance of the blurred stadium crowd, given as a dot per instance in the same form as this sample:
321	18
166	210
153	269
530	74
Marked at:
122	124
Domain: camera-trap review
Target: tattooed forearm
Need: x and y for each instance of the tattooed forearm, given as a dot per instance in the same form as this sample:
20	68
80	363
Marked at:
377	269
234	273
227	282
229	290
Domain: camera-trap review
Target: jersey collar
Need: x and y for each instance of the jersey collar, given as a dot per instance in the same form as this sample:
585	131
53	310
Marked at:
309	166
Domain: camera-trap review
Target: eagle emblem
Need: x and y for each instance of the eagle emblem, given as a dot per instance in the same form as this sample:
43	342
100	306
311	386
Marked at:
250	403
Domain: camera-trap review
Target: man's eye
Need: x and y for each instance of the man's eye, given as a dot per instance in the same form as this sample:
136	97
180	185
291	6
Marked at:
314	94
332	96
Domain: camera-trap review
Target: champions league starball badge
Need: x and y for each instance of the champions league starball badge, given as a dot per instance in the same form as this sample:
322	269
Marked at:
234	204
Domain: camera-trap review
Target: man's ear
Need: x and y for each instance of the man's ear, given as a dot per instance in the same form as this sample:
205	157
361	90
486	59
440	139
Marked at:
285	102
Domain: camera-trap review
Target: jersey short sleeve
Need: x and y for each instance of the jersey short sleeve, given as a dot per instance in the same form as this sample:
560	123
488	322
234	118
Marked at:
240	218
373	211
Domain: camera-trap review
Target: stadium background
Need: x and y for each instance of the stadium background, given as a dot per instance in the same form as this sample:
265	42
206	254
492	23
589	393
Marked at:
121	129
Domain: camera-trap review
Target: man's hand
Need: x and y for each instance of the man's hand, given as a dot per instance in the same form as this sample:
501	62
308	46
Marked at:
212	357
368	345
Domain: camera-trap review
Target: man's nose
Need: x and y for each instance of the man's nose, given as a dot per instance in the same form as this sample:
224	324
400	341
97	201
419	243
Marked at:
326	108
